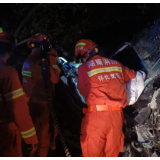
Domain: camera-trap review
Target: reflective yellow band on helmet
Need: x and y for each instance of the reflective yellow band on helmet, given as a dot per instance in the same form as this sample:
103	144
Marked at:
102	70
15	94
27	73
0	97
28	133
81	44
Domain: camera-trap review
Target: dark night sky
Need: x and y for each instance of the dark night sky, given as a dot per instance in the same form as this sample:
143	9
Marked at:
109	24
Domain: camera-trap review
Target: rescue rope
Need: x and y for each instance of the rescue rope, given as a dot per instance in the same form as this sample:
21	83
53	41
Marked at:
52	109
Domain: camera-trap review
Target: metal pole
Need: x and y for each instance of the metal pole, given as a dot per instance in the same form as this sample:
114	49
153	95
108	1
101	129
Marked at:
122	48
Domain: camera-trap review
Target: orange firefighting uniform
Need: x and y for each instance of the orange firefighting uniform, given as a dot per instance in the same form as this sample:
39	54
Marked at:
34	88
15	120
101	81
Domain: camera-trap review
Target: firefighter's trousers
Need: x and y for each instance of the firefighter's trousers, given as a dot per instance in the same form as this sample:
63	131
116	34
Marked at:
10	140
40	114
102	134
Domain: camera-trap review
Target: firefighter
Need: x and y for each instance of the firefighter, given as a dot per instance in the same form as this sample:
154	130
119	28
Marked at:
15	120
34	88
101	81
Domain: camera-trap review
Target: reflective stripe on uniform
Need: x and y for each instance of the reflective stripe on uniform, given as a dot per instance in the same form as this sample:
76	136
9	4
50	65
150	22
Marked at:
0	97
15	94
101	70
28	133
26	73
56	67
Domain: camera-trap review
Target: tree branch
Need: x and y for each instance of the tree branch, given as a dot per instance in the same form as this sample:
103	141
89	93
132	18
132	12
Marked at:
25	20
24	41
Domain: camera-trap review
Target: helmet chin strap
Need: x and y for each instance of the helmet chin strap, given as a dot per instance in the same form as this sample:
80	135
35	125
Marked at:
91	56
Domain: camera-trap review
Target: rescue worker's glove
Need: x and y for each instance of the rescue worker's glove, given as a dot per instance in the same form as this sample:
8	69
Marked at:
31	145
143	73
31	148
53	59
52	145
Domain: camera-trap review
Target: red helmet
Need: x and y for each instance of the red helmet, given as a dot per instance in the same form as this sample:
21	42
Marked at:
84	47
5	37
38	38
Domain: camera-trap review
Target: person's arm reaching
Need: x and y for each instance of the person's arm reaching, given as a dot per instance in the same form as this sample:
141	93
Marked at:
128	74
54	69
